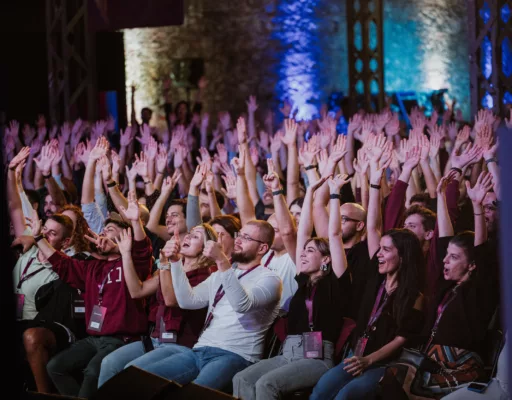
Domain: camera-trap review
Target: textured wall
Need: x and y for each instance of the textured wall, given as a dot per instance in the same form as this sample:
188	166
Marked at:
240	43
253	47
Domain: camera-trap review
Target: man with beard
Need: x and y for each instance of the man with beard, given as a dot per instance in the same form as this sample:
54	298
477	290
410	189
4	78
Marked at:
243	299
112	317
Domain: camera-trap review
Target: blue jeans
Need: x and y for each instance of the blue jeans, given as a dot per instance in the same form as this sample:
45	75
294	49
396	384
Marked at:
340	385
207	366
133	354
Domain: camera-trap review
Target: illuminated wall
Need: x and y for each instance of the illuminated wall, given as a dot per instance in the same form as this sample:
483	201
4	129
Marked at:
297	49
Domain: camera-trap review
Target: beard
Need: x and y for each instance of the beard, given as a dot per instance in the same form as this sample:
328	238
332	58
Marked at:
242	258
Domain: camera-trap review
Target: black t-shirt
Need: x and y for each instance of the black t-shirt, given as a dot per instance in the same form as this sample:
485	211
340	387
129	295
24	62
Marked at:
329	306
387	327
465	320
360	271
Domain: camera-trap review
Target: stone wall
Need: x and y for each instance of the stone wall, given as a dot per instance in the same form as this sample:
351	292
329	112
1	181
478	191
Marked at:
242	45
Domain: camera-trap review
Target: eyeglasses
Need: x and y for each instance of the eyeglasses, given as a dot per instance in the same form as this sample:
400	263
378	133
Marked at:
246	238
345	219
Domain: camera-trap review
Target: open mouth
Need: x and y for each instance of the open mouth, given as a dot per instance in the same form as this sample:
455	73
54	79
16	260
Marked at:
186	245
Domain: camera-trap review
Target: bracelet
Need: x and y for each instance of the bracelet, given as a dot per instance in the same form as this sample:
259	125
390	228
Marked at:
311	167
277	192
166	266
335	196
478	214
47	176
491	160
147	182
38	237
159	173
375	186
111	184
456	169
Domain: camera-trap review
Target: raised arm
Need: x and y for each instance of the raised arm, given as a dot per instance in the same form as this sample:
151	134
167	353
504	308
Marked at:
215	210
13	196
338	257
285	221
95	154
430	179
193	210
250	169
292	169
132	213
477	193
170	251
306	220
156	212
444	221
136	287
243	199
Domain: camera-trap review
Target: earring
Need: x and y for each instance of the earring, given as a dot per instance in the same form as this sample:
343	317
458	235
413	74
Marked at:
324	267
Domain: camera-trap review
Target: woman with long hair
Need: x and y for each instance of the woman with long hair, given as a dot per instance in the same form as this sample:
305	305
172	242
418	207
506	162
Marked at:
226	226
175	330
79	244
315	314
391	309
465	302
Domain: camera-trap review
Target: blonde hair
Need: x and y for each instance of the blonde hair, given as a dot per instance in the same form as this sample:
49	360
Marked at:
209	234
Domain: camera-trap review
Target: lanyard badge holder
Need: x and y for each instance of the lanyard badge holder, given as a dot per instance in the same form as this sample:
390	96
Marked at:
376	312
312	341
20	297
98	311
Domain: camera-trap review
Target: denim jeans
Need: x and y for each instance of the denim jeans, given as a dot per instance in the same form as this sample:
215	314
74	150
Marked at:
86	355
132	354
340	385
207	366
280	375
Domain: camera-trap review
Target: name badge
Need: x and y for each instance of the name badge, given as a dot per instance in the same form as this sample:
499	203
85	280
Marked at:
78	308
167	337
313	345
20	302
97	317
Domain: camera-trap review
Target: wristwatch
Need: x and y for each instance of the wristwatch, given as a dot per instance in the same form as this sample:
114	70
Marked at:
166	266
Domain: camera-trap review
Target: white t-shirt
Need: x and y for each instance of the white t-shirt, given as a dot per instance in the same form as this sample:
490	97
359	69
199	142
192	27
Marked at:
284	267
31	285
243	315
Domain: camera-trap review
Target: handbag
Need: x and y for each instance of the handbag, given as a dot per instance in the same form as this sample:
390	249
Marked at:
420	360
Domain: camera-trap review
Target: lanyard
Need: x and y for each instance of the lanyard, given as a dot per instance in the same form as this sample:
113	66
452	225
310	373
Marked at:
102	286
269	259
25	277
218	297
447	299
377	311
309	306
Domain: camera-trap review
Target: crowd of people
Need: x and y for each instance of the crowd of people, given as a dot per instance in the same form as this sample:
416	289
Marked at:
372	254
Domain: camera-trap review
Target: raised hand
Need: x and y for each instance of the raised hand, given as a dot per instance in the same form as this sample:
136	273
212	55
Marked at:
126	136
100	149
276	142
381	120
470	155
452	131
354	124
308	152
241	130
443	183
131	213
131	174
151	149
435	144
205	156
116	162
366	130
482	186
339	149
271	179
361	163
238	163
337	182
393	126
180	152
161	160
424	147
141	165
19	158
462	137
230	182
35	223
484	137
491	151
252	105
172	248
222	152
290	132
145	135
106	172
44	162
286	109
199	175
325	139
413	157
124	242
255	156
103	243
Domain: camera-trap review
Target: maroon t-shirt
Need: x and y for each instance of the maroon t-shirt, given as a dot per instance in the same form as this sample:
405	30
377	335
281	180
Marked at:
187	323
125	316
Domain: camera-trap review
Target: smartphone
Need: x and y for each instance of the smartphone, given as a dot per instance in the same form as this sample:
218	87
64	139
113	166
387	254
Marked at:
478	387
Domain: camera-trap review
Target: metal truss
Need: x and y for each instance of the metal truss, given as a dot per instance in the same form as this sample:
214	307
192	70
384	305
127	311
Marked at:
490	54
365	53
70	67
